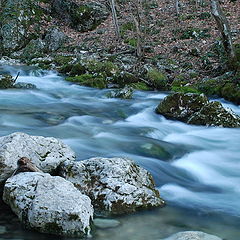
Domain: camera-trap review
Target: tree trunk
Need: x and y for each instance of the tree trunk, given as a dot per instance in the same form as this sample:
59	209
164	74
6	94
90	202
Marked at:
177	7
224	28
139	38
114	15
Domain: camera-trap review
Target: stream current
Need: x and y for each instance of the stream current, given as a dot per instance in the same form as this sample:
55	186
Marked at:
196	169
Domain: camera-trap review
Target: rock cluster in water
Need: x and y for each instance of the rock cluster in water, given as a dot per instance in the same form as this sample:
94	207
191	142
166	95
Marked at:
65	204
196	109
7	81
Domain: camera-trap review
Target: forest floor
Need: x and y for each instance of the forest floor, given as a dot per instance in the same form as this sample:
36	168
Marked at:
187	39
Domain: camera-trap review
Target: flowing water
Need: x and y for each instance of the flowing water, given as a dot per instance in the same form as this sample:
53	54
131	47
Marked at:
196	169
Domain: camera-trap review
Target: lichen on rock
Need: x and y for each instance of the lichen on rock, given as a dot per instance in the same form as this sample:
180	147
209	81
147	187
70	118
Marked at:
196	109
115	185
45	152
181	106
49	204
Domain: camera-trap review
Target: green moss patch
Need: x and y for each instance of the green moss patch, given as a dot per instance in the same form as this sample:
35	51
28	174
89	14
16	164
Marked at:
158	79
88	80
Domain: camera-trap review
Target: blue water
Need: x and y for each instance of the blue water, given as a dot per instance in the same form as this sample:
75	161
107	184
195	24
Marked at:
195	168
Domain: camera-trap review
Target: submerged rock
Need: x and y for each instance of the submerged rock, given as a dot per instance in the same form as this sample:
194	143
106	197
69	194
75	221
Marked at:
196	109
115	185
45	152
24	85
48	204
192	235
105	223
124	93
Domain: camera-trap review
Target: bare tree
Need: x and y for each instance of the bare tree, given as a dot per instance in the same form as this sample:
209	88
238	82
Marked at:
224	28
115	20
138	18
177	6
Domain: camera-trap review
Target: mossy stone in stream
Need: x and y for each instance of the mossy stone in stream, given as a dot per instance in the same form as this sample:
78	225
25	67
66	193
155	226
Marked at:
181	106
6	81
231	91
89	80
214	114
155	151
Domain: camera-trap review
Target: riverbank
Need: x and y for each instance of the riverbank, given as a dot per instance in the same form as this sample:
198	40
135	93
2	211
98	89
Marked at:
181	54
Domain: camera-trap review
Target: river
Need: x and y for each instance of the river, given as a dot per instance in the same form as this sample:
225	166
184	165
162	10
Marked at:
196	169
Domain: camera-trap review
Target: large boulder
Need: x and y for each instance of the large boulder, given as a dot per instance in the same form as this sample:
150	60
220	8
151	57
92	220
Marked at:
196	109
45	152
19	22
80	16
35	48
48	204
54	39
192	235
181	106
214	114
115	185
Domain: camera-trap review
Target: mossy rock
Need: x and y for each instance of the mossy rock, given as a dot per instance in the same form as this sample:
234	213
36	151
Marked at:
140	86
81	16
65	69
181	106
211	87
231	91
89	80
125	78
158	79
214	114
62	60
77	69
183	87
107	68
6	81
155	151
20	22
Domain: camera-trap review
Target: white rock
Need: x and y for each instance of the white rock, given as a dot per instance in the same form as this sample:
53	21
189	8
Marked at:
45	152
48	204
192	235
115	185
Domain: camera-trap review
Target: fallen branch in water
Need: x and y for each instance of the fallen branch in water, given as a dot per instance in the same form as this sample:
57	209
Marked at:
16	77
